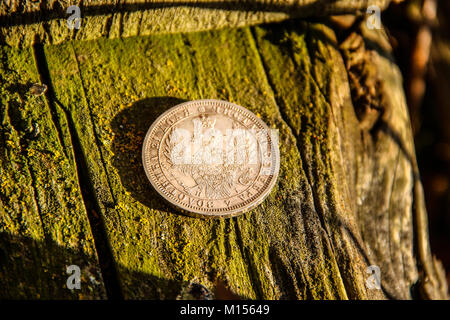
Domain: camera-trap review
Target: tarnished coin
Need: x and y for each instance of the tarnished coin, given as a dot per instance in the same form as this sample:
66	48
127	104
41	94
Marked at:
211	157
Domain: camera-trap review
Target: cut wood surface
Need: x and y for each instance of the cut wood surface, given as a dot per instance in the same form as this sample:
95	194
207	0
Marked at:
348	194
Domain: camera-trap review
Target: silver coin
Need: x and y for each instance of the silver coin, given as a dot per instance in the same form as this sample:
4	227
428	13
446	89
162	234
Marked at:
211	158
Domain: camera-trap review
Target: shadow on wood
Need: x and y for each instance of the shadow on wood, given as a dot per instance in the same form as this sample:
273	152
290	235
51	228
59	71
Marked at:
31	269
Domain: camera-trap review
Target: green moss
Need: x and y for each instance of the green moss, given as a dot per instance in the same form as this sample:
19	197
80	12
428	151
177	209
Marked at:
112	90
39	197
105	82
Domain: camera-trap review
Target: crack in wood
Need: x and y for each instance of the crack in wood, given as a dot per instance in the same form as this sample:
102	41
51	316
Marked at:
103	249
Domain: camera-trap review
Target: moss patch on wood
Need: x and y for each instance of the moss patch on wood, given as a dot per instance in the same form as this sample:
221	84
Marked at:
115	89
43	223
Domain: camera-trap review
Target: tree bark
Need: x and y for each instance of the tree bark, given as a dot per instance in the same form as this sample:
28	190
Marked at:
73	190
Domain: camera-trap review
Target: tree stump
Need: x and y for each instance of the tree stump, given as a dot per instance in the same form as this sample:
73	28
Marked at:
73	190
